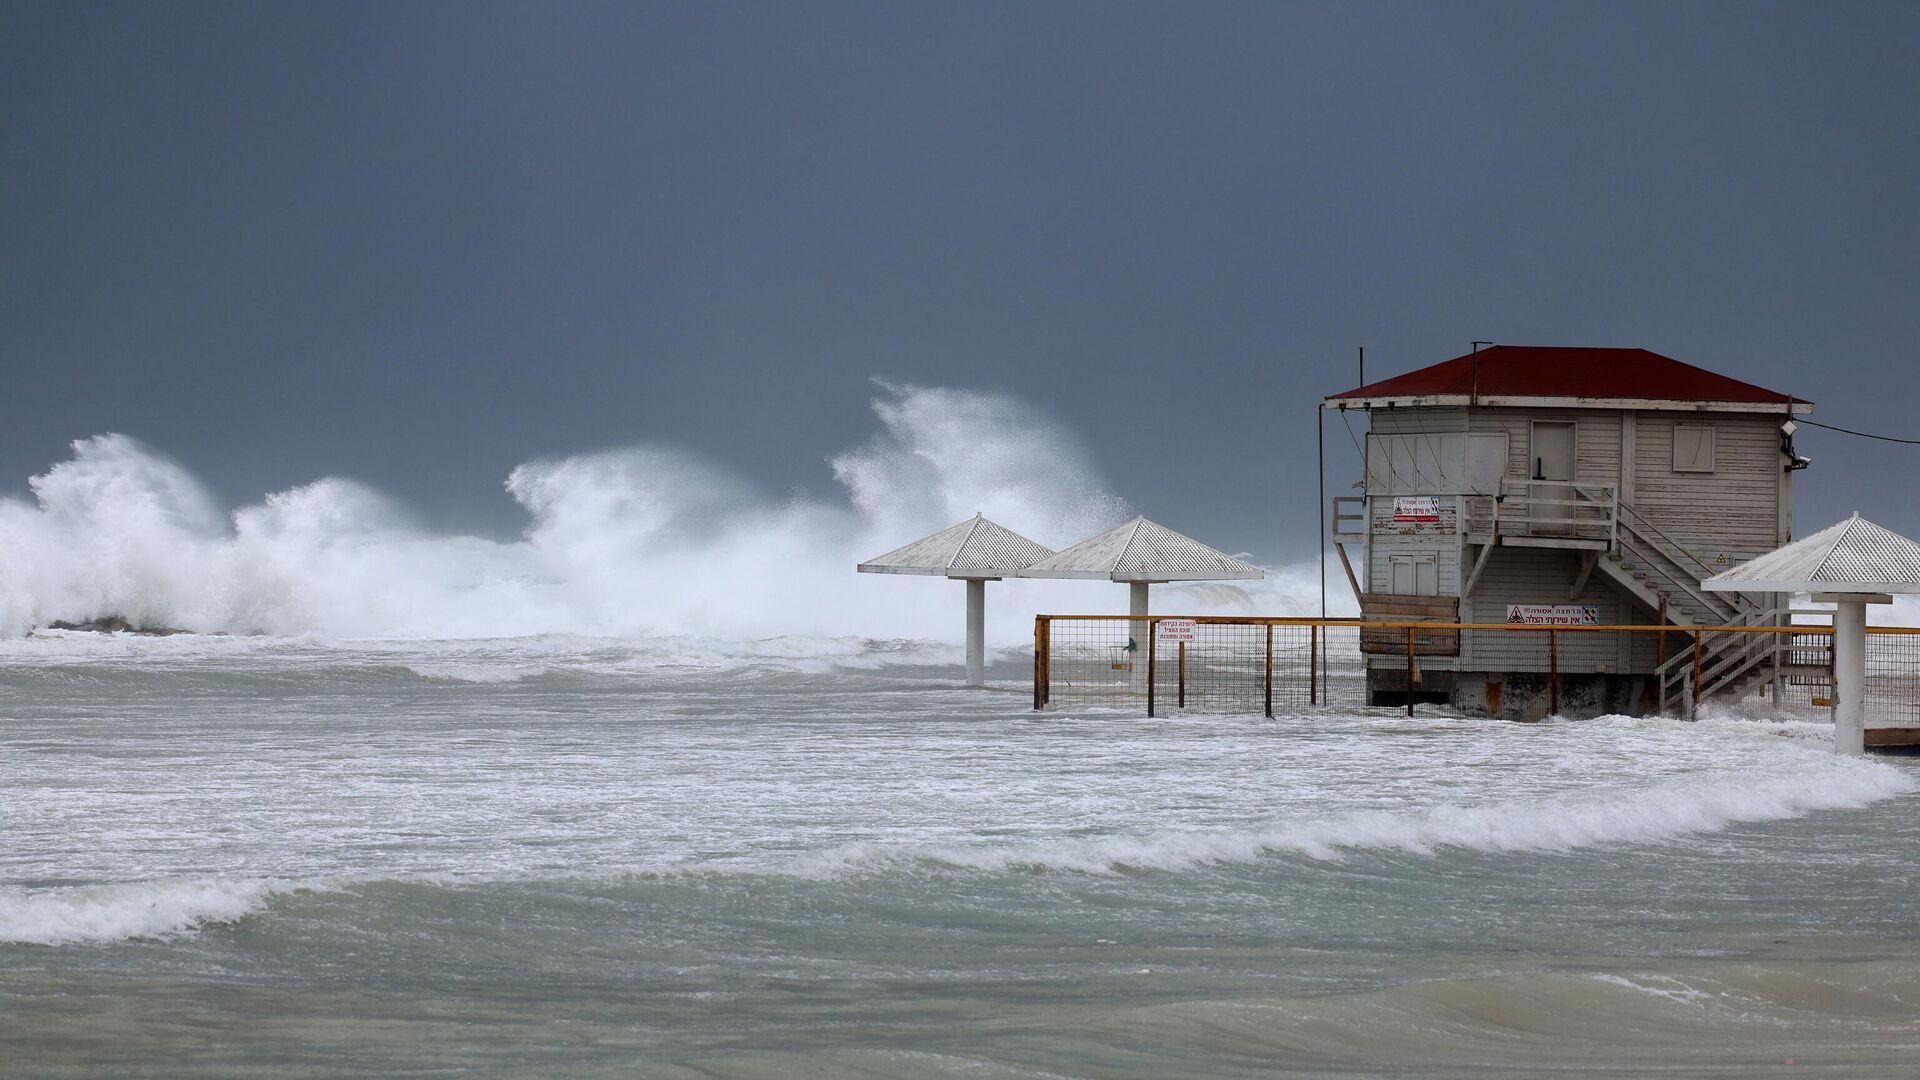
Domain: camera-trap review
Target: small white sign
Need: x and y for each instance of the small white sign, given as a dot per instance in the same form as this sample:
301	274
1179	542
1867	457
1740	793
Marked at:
1416	510
1553	614
1175	629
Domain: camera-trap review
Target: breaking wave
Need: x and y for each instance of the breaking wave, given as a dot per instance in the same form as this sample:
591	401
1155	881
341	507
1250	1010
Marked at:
137	909
627	542
1795	778
1658	812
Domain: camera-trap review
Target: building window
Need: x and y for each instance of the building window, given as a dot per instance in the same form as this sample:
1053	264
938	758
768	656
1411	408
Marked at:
1692	448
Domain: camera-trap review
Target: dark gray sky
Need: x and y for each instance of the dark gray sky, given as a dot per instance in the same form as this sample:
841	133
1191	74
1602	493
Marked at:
419	243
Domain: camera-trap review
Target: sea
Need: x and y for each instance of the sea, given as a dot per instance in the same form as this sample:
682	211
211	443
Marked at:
567	856
657	786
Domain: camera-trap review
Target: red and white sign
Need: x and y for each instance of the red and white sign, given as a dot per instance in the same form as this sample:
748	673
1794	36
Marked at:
1553	614
1175	629
1416	510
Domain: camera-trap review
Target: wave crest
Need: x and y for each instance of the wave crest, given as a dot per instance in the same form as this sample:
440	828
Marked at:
1658	812
138	909
641	541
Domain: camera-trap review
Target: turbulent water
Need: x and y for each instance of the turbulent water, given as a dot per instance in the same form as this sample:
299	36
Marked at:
821	856
642	540
663	788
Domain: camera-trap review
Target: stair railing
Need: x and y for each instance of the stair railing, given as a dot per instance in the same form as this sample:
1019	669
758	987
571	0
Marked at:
1715	605
1722	660
1676	683
1732	662
1686	578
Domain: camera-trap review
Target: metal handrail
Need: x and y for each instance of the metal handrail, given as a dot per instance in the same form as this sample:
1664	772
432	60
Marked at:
1629	510
1730	663
1714	605
1721	659
1658	542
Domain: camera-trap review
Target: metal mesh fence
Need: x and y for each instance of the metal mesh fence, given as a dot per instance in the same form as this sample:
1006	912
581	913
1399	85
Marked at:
1893	677
1090	662
1213	665
1806	669
1165	665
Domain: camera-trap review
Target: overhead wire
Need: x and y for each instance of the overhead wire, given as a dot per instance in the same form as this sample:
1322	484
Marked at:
1861	434
1393	474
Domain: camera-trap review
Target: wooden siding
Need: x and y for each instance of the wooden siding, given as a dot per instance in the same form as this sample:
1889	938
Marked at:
1732	511
1596	440
1381	546
1385	607
1539	576
1417	421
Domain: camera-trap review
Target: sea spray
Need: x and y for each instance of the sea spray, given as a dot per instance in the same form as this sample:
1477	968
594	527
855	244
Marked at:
629	542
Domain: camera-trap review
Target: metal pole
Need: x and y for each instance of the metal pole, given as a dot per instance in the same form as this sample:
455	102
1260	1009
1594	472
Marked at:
1409	671
1047	665
1183	674
1039	652
1150	671
1313	664
976	632
1320	440
1699	644
1660	650
1779	681
1269	679
1553	672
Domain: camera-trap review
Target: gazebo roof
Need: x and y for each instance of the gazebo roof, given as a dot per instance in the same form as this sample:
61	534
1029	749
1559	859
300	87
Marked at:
1143	551
975	548
1854	556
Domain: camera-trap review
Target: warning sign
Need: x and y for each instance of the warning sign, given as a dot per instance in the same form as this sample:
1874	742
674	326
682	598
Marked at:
1553	614
1416	510
1175	629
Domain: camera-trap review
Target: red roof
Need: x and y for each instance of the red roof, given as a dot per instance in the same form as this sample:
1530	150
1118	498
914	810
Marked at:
1552	371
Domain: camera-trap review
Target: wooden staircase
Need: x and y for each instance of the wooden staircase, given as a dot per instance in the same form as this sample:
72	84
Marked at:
1643	561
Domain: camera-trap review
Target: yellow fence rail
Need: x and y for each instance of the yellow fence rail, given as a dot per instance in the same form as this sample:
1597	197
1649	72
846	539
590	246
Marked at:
1246	664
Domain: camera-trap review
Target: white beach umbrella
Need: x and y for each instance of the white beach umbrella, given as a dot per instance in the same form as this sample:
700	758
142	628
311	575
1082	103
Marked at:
975	551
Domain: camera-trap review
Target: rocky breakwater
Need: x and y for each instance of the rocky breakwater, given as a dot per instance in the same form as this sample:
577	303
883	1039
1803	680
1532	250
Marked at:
115	624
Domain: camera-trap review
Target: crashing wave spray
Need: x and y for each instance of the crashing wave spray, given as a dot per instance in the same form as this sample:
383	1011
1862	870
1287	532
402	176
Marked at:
627	542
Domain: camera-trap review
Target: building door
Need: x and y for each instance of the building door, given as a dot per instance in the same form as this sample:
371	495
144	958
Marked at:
1414	575
1552	488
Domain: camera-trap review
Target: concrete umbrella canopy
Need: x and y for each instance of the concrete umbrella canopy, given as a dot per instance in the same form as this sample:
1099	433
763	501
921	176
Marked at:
1850	565
975	551
1141	554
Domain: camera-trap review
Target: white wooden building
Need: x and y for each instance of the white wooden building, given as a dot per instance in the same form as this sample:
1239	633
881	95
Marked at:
1573	485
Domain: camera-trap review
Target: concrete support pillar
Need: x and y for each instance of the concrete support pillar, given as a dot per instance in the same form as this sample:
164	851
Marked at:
1850	676
1138	629
976	632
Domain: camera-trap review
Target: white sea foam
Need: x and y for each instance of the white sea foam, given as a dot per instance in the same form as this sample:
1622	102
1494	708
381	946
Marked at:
633	542
1657	812
137	909
475	673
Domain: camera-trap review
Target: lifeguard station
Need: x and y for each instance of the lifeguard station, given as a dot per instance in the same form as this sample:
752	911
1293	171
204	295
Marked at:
1571	486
